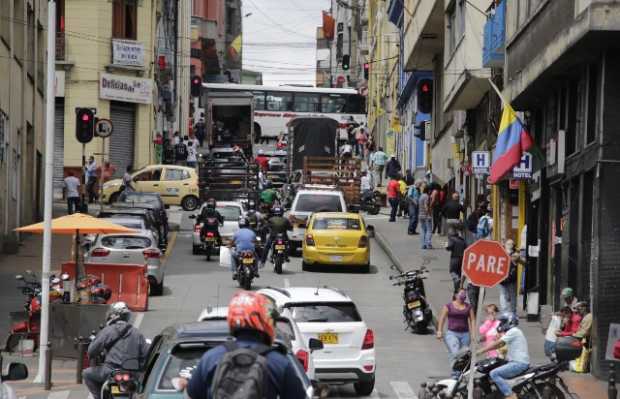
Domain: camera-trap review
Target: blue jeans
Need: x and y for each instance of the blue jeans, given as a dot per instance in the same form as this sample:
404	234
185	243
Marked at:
508	370
427	232
413	218
550	349
455	341
394	204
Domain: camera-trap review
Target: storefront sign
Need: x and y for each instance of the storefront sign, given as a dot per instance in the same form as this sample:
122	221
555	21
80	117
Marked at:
481	162
125	88
523	170
127	53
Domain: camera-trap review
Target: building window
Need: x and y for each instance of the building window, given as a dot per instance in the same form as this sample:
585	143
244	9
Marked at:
592	103
31	42
5	19
125	19
451	17
455	20
571	126
19	23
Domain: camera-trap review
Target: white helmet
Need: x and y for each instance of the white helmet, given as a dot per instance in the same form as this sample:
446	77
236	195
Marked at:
118	311
261	152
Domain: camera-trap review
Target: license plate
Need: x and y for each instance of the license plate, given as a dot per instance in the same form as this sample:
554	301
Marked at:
336	258
413	305
248	261
329	338
115	390
280	247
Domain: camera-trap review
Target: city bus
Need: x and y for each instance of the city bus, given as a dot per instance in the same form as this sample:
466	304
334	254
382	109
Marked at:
275	106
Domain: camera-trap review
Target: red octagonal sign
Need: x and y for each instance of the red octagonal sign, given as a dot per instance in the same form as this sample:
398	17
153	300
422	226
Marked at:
486	263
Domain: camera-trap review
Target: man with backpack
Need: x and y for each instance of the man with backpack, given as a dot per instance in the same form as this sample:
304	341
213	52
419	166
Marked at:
248	367
484	229
180	153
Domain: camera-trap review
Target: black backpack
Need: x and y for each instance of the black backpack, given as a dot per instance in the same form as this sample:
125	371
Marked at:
241	373
181	151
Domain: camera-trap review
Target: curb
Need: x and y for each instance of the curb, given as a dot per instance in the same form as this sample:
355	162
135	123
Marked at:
385	246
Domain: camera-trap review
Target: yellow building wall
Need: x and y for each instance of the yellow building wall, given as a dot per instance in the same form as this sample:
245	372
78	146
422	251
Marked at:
89	48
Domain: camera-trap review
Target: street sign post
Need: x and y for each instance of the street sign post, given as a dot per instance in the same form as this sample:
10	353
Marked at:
104	128
486	263
481	162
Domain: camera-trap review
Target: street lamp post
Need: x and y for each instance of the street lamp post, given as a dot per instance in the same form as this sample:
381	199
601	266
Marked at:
44	349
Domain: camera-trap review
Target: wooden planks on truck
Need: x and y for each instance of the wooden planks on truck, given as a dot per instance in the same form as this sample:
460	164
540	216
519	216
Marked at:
344	173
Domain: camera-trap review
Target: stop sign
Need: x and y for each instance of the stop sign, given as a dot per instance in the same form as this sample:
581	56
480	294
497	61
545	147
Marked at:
486	263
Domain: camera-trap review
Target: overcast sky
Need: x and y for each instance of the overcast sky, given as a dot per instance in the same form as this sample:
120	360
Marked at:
279	39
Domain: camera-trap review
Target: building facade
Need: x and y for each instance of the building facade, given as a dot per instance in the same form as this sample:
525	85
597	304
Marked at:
22	114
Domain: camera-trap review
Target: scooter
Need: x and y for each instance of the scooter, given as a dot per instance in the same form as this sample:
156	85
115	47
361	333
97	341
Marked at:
370	202
416	311
246	262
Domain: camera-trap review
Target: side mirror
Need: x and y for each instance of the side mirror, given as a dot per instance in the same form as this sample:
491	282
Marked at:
17	372
315	344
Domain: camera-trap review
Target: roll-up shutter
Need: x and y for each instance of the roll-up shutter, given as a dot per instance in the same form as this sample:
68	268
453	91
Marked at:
123	116
59	147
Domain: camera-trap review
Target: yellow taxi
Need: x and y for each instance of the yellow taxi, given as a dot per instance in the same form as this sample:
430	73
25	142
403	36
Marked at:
177	185
336	238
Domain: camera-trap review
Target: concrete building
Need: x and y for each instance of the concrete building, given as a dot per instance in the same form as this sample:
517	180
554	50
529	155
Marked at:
561	68
22	114
105	60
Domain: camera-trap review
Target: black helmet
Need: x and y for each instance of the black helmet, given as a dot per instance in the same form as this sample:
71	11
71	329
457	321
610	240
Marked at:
507	321
211	203
243	222
277	211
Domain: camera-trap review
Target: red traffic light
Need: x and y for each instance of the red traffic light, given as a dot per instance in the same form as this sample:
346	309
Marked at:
85	117
425	88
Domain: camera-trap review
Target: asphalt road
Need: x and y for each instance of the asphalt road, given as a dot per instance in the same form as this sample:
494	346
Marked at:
404	360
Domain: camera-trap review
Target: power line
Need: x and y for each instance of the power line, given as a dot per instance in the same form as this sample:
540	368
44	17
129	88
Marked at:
276	23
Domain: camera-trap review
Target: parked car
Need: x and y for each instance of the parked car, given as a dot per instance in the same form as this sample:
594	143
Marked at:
131	222
16	372
231	211
331	316
181	347
147	215
135	248
154	199
310	199
336	238
177	185
286	330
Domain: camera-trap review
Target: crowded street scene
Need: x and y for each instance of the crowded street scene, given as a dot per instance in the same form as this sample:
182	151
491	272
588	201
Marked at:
259	199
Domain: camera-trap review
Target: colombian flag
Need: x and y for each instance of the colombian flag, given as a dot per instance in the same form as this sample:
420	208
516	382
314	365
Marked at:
512	141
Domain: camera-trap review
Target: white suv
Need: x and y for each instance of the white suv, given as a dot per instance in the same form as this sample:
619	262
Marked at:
331	316
310	199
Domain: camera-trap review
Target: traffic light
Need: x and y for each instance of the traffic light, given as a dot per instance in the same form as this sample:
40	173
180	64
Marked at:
84	124
346	60
366	70
196	86
425	96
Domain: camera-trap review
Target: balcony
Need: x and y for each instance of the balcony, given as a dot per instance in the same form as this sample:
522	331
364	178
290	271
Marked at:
495	38
60	46
321	42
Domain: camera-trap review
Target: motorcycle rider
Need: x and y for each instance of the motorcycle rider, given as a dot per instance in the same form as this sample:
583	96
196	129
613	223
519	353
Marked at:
251	322
277	224
120	344
243	240
518	354
211	220
268	196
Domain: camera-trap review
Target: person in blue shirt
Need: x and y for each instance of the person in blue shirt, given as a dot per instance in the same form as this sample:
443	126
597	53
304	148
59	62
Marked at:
251	322
243	240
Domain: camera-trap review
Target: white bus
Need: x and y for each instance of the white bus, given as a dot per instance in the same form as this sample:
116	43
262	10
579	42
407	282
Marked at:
274	106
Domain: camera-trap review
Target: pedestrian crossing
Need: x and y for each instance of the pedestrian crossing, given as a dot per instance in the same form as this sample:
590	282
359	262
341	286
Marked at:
392	390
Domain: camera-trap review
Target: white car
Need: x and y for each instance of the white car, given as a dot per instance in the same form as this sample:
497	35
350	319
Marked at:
231	211
286	330
331	316
310	199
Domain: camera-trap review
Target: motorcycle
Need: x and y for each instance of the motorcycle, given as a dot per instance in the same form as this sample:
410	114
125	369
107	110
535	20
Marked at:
122	382
370	202
278	254
246	262
209	242
416	311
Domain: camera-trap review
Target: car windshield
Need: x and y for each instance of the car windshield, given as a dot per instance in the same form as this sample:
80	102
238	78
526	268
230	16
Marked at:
181	357
137	224
318	203
330	312
125	242
230	213
327	223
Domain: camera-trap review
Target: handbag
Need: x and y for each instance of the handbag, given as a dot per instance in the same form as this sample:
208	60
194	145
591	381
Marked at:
582	363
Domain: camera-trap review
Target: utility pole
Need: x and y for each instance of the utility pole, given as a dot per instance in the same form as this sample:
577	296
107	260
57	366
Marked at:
44	349
183	64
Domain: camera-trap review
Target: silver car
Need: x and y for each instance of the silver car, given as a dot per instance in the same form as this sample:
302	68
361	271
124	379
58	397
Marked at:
135	248
231	211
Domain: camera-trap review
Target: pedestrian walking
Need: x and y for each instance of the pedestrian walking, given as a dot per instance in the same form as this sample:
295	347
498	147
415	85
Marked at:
452	211
484	229
377	162
472	222
456	245
425	219
176	138
436	207
393	195
392	168
192	153
180	153
460	318
128	179
90	171
403	206
201	129
488	329
508	287
72	192
106	172
413	198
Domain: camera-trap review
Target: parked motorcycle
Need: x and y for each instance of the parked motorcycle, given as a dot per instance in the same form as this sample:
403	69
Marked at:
416	311
278	253
370	202
246	262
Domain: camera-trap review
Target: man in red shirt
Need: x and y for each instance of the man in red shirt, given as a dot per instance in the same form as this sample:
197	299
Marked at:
393	195
262	160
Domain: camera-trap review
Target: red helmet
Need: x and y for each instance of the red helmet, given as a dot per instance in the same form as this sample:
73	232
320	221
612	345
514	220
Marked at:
251	311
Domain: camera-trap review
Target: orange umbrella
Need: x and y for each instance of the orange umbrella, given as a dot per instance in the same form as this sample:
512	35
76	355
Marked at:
79	223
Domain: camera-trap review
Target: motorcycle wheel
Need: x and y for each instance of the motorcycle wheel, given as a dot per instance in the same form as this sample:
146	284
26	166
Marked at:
278	264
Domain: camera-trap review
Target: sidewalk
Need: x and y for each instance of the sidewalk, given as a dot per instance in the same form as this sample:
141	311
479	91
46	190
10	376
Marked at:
406	253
